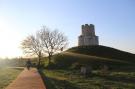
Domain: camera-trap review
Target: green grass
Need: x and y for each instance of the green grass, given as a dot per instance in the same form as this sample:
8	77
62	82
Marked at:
95	56
103	51
7	75
75	60
65	65
72	79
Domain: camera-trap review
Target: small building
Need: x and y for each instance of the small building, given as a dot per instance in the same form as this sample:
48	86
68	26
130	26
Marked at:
88	36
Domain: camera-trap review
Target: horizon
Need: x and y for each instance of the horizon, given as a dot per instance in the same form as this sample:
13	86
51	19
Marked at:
114	22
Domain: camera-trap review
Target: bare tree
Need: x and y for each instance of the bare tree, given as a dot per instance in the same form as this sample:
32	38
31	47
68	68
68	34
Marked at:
44	42
32	45
52	41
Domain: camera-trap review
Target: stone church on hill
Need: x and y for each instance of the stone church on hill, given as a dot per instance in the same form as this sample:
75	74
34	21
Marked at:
88	36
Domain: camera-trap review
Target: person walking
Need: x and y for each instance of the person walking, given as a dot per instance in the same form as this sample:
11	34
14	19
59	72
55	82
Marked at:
28	64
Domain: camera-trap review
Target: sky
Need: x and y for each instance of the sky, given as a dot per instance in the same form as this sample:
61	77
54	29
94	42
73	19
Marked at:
114	21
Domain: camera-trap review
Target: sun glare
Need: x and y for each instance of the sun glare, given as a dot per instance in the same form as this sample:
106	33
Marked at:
9	41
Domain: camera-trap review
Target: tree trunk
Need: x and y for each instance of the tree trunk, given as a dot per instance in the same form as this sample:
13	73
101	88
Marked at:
39	61
49	60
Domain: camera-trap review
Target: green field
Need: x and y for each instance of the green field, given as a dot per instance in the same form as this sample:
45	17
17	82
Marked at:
64	70
72	79
7	75
94	56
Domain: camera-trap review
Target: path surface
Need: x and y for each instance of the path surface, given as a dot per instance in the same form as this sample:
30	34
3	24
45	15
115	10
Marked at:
28	80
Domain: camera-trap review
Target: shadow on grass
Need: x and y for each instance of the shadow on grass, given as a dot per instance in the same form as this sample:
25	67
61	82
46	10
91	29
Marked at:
61	84
53	83
117	78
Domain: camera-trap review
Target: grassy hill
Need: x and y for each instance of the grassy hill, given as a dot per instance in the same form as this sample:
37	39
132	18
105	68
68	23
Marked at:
121	74
103	51
94	56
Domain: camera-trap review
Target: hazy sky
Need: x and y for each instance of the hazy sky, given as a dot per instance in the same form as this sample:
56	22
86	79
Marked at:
114	21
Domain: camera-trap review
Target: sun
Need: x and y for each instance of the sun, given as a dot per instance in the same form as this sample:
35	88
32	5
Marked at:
9	40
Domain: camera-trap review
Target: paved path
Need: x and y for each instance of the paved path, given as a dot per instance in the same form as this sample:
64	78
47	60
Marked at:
28	80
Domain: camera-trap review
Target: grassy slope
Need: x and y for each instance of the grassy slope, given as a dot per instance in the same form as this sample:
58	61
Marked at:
7	75
94	56
103	51
72	79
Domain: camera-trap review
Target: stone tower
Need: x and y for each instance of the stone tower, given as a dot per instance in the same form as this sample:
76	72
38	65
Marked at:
88	36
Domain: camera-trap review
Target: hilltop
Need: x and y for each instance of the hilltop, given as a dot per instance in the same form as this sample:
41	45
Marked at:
95	56
104	51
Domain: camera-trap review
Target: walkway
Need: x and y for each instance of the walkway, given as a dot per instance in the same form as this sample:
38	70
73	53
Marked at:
28	80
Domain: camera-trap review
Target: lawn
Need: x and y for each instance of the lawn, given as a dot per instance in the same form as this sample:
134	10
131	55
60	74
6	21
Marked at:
7	75
67	79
